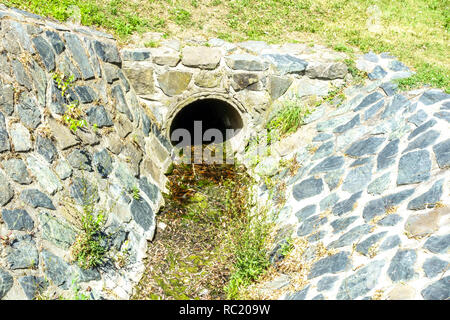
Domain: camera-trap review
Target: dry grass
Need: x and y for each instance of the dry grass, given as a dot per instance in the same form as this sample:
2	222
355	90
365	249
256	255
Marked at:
295	264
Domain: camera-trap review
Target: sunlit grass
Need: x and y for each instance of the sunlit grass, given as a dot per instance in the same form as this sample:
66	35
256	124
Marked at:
416	31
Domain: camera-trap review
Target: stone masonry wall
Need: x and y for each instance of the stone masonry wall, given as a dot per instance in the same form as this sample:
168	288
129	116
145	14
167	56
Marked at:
370	200
250	75
47	170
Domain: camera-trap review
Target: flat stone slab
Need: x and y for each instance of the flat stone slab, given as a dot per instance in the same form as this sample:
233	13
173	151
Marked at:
438	244
351	236
46	177
140	54
358	178
434	266
57	231
246	62
332	264
429	198
402	265
141	77
328	71
17	219
329	164
442	153
36	199
366	245
386	157
424	140
307	188
433	96
6	191
439	290
142	213
56	269
285	63
368	100
6	282
32	285
414	167
174	82
23	254
360	282
201	57
17	170
364	147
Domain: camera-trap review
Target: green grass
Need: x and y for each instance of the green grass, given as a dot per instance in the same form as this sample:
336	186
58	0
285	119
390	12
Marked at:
426	74
251	258
416	31
116	16
288	118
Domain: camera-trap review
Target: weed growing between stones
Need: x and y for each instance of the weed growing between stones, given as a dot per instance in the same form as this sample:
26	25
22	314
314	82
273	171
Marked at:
210	242
73	116
136	194
63	82
288	119
357	75
88	250
76	293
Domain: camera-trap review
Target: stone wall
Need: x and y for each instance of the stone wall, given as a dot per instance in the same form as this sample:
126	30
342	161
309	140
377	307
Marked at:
47	170
370	200
250	75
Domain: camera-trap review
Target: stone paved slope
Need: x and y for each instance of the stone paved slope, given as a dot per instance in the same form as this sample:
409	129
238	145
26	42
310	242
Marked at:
373	190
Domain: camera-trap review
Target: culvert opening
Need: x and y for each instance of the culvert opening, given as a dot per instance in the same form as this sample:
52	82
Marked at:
205	121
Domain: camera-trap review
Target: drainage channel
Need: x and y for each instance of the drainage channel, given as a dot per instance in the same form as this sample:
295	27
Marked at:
198	235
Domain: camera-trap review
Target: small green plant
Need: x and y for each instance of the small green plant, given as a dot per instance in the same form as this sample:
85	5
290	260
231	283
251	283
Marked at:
194	3
77	294
426	74
72	117
342	48
252	258
88	249
122	257
63	82
181	16
358	75
152	44
288	119
287	247
215	3
136	193
333	95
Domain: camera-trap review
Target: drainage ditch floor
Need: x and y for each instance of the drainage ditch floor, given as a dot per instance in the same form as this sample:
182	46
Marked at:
194	249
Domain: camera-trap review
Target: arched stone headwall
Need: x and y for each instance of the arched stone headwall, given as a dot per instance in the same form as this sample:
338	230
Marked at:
250	76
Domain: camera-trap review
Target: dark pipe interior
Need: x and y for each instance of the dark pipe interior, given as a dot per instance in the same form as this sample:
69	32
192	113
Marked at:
213	114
